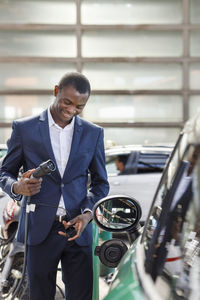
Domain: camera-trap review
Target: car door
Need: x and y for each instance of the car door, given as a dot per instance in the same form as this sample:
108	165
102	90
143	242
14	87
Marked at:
140	178
140	186
172	234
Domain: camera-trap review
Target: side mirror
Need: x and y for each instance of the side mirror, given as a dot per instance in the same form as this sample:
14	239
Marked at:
117	213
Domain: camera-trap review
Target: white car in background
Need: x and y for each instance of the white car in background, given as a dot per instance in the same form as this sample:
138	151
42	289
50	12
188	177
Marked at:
141	175
3	150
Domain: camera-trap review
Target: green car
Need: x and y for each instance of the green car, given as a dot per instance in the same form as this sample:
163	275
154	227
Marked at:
160	260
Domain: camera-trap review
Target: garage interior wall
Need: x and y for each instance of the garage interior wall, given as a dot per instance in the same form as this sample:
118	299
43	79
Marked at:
142	58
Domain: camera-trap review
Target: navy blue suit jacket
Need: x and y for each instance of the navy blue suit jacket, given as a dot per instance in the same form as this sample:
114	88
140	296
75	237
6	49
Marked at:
29	146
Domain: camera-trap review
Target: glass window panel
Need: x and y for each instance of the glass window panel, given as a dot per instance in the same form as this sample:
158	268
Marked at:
17	106
37	43
195	43
134	108
5	134
194	105
131	43
32	75
127	136
35	11
134	75
194	76
131	12
195	11
124	136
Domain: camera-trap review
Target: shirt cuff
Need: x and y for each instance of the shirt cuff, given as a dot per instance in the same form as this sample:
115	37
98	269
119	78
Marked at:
86	210
15	196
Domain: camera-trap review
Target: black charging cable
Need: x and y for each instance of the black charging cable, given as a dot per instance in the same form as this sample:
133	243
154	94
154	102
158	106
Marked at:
44	169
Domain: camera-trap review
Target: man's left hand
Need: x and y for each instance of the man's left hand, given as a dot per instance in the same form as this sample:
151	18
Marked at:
79	223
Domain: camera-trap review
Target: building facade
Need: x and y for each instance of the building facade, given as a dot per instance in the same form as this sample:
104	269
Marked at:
142	58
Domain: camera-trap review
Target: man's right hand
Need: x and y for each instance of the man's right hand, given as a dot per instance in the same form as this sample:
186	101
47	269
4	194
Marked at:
27	186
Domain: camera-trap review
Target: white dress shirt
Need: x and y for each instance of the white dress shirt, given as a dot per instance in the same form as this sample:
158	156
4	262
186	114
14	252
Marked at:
61	141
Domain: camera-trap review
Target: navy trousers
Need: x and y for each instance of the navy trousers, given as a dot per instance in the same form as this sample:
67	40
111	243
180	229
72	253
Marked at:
76	263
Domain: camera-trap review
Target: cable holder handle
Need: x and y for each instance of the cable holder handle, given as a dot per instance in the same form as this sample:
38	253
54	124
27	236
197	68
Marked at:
44	168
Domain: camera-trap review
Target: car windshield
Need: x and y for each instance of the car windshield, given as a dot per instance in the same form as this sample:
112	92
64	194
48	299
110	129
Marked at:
136	162
172	232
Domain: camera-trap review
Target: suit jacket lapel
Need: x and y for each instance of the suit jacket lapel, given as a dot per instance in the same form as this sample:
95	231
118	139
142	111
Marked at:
44	129
75	143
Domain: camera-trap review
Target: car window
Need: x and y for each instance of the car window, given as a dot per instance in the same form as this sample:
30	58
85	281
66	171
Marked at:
111	166
151	162
164	185
3	152
172	234
136	162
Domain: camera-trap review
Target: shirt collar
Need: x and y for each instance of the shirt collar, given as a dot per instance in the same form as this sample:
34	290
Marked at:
70	126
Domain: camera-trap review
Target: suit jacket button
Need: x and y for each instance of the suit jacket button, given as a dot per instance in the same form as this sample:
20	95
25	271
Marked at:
62	185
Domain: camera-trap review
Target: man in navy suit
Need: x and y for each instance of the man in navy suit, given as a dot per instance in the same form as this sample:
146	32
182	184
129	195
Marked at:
61	199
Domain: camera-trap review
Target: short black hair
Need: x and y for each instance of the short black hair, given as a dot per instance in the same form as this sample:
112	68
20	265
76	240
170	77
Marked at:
122	158
77	81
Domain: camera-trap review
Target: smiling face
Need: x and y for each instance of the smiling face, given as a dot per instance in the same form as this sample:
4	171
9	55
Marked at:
68	103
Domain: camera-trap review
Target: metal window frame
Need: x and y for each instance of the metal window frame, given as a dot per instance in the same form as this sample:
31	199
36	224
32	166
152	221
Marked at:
79	28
